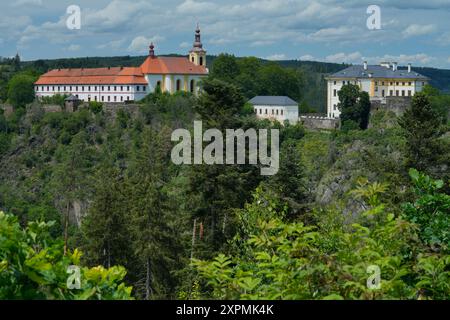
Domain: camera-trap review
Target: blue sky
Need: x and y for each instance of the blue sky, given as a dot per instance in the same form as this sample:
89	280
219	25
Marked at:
323	30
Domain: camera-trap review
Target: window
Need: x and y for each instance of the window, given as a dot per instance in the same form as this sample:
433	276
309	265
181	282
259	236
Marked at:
95	98
115	98
376	89
382	83
334	107
265	111
89	88
64	88
115	88
178	85
192	87
89	99
103	98
409	93
201	61
376	83
403	83
109	88
397	83
137	88
128	88
103	88
144	88
334	82
409	83
392	83
82	88
76	88
95	88
391	92
121	88
260	111
192	59
128	98
158	84
277	111
53	88
397	93
423	83
273	112
109	98
403	93
334	93
281	111
382	93
121	98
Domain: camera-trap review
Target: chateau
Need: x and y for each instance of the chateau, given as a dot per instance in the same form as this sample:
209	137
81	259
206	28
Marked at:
379	81
121	84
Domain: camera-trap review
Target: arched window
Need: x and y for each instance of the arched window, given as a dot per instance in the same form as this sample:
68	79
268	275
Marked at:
178	84
192	87
201	61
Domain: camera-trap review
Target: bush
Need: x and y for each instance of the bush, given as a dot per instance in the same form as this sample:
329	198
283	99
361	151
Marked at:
95	107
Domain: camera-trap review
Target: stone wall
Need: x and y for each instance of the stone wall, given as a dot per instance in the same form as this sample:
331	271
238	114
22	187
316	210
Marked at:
313	121
398	105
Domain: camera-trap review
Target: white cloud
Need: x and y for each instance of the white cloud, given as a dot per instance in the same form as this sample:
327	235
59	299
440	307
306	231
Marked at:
185	45
277	56
115	44
354	57
191	6
307	57
18	3
418	30
140	44
74	47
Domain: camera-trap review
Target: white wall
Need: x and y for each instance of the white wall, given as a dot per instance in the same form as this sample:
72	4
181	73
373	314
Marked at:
284	113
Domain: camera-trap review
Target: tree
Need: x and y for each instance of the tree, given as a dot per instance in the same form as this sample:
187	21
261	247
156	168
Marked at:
21	90
105	229
153	240
421	129
354	105
33	266
225	67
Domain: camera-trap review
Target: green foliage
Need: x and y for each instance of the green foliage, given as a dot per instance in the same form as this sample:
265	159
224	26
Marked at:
431	211
21	90
354	105
57	99
32	266
95	107
328	260
421	129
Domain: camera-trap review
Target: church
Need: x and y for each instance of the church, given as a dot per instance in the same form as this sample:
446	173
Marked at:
122	84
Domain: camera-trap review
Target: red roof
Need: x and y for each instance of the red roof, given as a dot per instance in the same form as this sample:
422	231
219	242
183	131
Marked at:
171	65
118	75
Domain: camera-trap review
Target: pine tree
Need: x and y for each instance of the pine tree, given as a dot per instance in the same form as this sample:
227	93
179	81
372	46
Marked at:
421	129
106	239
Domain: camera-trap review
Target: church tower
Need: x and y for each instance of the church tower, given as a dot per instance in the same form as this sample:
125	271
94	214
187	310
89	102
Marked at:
197	55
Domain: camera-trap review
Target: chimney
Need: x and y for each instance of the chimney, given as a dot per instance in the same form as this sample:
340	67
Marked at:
409	67
365	65
394	66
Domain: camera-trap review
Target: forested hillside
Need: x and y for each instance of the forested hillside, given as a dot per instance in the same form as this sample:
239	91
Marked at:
374	193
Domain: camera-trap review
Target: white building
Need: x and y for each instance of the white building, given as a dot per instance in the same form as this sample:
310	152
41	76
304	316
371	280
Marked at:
120	84
280	108
379	81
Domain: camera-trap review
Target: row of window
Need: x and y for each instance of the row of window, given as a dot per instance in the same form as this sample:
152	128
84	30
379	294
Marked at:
382	83
102	88
108	98
273	112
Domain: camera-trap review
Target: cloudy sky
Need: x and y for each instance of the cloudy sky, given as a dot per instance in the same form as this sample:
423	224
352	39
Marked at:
325	30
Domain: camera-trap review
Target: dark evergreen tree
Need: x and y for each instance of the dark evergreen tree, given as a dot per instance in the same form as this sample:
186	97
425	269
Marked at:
354	106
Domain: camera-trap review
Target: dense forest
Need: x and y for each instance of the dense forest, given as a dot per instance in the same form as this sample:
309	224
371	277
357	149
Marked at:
97	189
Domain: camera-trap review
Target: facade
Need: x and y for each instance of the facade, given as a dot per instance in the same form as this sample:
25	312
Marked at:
379	81
121	84
280	108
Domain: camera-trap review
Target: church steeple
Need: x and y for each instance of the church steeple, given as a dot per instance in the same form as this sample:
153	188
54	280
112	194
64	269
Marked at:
151	52
197	55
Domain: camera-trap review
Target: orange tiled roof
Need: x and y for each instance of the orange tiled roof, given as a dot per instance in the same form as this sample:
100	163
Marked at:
171	65
117	75
93	76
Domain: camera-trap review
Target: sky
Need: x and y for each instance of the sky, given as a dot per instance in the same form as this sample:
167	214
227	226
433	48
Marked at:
411	31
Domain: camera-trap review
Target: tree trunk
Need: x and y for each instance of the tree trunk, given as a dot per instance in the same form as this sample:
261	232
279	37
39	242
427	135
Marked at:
66	227
193	239
147	281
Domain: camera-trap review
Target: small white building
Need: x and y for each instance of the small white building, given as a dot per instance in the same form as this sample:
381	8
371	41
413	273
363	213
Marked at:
379	81
280	108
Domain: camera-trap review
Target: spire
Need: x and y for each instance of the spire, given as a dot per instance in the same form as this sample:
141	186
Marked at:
198	42
152	51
